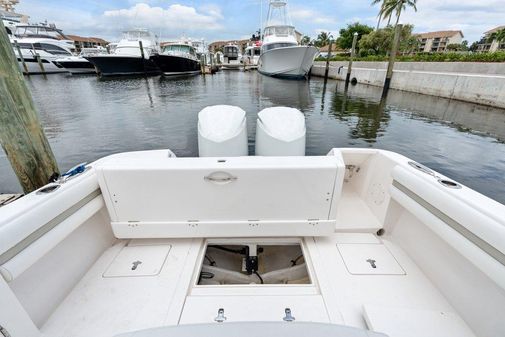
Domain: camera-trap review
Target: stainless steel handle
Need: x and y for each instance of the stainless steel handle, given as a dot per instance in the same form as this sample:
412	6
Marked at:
220	177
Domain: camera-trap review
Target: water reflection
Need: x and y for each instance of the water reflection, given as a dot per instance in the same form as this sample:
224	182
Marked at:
290	93
86	118
464	116
367	119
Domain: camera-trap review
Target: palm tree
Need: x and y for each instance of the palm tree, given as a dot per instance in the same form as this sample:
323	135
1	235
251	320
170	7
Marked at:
499	36
323	39
375	2
305	40
396	6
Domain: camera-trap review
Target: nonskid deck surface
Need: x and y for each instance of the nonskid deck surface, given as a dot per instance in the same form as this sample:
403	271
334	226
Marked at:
110	299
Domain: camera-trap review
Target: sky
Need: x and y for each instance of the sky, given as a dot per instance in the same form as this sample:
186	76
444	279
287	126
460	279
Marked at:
227	20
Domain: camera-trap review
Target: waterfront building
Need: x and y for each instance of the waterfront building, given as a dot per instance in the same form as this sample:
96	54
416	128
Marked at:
242	44
87	42
13	17
488	45
433	42
323	51
219	45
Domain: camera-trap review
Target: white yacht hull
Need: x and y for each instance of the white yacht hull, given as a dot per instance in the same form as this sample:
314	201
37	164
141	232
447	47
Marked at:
232	65
34	68
76	65
289	62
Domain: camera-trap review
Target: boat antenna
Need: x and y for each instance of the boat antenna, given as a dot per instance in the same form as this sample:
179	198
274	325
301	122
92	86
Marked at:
261	20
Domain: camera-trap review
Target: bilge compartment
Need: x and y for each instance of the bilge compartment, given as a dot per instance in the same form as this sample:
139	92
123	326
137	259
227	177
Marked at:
231	262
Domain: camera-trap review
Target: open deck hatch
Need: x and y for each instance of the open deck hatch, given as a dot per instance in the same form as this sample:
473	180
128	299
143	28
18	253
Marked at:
253	263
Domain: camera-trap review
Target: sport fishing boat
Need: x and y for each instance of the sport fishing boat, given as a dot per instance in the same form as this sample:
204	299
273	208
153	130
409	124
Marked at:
177	59
359	242
231	57
281	54
131	56
37	46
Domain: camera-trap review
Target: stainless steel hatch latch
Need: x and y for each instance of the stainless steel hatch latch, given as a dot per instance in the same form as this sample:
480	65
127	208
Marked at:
220	318
288	317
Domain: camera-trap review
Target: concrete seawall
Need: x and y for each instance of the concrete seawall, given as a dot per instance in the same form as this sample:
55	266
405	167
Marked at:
482	83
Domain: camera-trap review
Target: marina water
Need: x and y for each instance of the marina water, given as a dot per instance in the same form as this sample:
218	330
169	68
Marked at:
86	118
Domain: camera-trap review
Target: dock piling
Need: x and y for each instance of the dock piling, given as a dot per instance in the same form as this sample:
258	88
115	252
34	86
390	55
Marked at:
353	52
39	60
326	71
21	134
202	64
18	48
392	56
142	56
141	49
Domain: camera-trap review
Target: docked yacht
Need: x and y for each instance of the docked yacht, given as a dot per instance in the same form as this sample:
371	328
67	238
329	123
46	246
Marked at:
37	46
231	57
251	56
79	64
281	54
131	56
358	242
177	59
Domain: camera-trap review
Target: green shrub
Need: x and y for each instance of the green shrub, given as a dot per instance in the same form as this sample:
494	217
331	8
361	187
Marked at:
498	56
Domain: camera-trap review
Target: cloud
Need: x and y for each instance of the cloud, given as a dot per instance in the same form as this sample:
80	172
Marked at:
310	15
95	20
465	15
175	17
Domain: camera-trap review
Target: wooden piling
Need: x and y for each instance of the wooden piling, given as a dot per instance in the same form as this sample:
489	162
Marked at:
21	134
141	46
392	56
25	67
349	67
202	64
326	71
39	60
141	49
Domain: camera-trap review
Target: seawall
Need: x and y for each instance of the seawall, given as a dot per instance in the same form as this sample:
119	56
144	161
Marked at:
482	83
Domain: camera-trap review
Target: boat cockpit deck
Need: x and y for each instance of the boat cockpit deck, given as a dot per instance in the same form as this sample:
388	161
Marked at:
346	239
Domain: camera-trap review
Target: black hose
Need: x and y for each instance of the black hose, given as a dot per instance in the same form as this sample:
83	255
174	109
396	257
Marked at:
293	262
257	274
229	250
211	261
205	275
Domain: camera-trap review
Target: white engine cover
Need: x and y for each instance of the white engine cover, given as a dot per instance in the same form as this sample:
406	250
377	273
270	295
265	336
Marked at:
280	131
222	131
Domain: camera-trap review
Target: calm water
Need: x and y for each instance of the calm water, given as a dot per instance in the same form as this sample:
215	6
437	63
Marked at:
86	118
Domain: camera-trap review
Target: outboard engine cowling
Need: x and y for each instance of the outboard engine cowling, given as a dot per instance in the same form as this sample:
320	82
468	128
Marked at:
280	131
222	131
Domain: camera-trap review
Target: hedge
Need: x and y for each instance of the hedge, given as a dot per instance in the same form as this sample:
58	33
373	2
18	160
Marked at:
429	57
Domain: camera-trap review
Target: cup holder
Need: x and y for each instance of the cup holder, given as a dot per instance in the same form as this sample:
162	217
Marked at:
421	168
449	183
48	189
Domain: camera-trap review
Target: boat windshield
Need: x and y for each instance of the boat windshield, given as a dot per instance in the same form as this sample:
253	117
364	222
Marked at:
280	31
278	45
135	35
179	49
40	31
230	51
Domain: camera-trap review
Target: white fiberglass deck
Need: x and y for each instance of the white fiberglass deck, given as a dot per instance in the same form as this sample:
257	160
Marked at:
359	238
105	306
